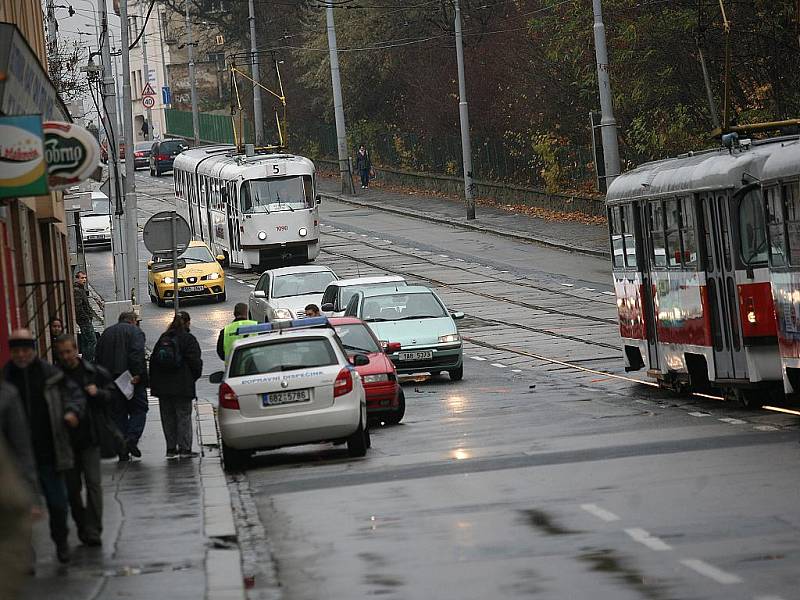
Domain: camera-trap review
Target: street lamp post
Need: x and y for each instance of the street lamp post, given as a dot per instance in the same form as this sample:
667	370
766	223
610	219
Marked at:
338	106
608	124
463	114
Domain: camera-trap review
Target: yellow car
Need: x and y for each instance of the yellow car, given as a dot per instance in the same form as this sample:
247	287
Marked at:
202	277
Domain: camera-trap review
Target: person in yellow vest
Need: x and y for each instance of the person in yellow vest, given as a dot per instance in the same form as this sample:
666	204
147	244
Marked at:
228	335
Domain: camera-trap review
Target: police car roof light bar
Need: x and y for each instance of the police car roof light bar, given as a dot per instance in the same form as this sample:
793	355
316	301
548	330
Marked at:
281	326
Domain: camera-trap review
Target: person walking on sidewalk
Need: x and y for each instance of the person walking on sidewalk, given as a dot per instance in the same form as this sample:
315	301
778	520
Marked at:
175	366
84	316
120	349
52	404
228	334
96	384
363	166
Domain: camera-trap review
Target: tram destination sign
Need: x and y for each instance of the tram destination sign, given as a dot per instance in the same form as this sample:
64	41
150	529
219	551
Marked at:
71	152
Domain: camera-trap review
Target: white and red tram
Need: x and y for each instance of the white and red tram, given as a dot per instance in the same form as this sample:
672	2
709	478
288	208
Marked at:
691	270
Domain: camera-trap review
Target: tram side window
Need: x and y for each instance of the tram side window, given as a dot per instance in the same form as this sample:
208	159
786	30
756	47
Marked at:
688	233
791	199
618	248
775	223
753	245
308	189
673	223
628	236
656	214
246	198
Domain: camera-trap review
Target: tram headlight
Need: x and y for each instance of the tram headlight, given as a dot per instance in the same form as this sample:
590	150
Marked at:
262	235
302	232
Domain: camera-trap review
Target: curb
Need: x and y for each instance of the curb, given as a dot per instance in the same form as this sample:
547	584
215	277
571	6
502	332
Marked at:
515	235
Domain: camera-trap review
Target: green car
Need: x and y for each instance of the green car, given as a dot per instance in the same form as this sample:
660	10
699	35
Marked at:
416	318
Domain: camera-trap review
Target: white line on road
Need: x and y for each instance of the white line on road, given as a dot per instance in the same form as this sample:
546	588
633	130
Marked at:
608	293
651	541
732	421
765	428
499	365
516	370
444	256
600	513
567	285
252	285
710	571
767	598
699	414
588	289
477	358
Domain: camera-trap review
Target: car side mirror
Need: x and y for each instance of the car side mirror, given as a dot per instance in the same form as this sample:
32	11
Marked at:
319	199
359	360
392	347
149	264
259	294
457	314
216	377
327	307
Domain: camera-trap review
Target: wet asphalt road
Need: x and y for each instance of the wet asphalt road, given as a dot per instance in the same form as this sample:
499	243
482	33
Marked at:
529	478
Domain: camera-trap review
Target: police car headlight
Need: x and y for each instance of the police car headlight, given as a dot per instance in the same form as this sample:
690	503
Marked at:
262	235
168	280
283	313
376	378
449	339
302	232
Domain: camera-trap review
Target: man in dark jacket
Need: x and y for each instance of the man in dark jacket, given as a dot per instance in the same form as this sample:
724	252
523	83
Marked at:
363	166
120	349
95	382
84	316
52	404
175	366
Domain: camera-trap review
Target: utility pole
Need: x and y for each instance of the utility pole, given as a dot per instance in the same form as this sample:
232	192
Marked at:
608	124
463	115
52	30
163	59
192	82
338	107
258	115
131	212
148	111
112	140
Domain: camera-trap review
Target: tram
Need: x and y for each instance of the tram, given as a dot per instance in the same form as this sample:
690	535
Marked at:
256	210
701	257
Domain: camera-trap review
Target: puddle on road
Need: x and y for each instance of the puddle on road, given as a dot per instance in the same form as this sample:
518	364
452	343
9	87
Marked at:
538	519
608	561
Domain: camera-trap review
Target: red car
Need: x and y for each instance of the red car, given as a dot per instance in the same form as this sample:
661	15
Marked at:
385	399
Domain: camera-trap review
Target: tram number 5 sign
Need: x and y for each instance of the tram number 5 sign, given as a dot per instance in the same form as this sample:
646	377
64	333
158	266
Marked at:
148	101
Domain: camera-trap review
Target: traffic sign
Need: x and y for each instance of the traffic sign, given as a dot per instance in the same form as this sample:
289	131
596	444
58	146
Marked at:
166	95
158	233
148	101
148	90
104	187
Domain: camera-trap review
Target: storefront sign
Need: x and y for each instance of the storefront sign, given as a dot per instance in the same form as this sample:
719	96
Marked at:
71	152
22	166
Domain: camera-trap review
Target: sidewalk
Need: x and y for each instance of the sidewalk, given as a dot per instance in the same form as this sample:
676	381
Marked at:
558	230
167	529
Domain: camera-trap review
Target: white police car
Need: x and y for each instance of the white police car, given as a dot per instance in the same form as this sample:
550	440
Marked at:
290	383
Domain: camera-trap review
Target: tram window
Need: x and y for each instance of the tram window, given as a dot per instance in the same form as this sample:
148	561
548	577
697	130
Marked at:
753	245
616	236
775	223
673	234
247	201
688	239
274	194
656	215
724	228
628	236
791	199
308	188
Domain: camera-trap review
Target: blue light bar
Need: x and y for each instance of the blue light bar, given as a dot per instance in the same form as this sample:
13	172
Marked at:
251	329
283	325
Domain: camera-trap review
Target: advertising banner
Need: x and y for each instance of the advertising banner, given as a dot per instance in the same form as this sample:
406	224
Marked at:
72	153
23	171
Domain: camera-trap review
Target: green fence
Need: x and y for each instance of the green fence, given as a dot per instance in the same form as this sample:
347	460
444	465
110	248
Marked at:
213	128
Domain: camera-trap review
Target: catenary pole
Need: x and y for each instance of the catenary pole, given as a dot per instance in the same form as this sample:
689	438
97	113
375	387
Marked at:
338	106
148	111
131	212
192	81
463	115
109	103
608	124
258	114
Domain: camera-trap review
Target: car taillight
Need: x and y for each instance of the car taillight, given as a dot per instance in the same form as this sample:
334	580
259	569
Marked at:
227	397
343	384
163	157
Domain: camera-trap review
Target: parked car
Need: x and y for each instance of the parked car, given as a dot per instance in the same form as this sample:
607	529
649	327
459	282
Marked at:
202	277
338	293
385	398
285	292
96	221
141	154
417	319
163	153
287	384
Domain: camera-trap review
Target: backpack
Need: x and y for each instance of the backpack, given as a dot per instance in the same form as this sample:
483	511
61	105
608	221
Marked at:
167	354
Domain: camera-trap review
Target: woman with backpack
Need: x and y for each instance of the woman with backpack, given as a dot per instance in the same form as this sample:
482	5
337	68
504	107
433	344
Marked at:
175	366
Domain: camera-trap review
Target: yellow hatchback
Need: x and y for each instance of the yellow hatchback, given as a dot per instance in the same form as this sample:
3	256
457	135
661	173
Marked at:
201	277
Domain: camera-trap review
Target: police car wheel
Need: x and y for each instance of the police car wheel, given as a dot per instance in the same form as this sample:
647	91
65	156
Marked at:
234	460
358	442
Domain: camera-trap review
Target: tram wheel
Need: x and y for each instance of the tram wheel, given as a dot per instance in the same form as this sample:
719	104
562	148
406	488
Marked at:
750	399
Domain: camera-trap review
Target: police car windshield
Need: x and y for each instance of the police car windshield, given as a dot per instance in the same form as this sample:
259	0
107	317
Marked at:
282	355
356	337
301	284
399	307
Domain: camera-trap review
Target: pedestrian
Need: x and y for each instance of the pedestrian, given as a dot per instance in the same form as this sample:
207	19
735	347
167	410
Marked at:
84	316
175	366
56	328
121	349
363	166
312	310
52	404
228	334
95	382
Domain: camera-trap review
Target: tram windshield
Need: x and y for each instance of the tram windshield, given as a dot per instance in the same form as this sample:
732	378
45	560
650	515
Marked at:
277	194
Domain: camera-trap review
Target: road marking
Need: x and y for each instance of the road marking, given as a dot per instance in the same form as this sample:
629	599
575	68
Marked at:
600	513
699	414
710	571
765	428
444	256
651	541
608	293
732	421
516	370
568	285
499	365
477	358
252	285
589	289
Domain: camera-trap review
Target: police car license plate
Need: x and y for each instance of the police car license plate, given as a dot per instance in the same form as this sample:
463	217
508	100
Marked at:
285	397
193	288
416	355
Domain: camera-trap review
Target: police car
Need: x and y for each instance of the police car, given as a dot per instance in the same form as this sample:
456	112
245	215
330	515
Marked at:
290	383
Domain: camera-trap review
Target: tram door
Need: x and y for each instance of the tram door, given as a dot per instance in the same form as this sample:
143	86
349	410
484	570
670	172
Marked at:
234	231
726	331
648	299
